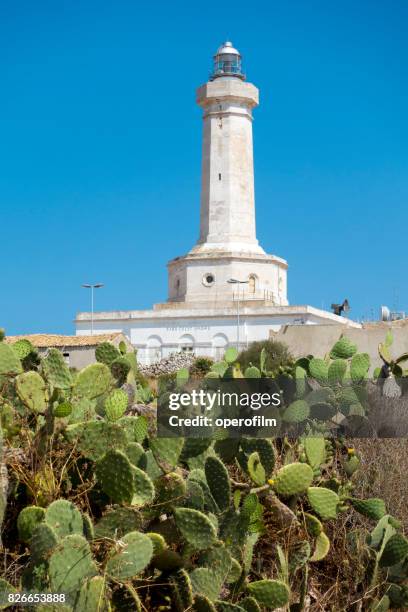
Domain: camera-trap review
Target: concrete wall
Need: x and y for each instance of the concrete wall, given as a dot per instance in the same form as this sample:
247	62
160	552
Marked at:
318	339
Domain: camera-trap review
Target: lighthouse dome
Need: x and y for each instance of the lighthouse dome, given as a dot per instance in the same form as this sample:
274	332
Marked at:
227	62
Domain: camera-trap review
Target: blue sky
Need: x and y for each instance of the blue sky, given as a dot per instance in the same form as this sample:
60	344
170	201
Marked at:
100	144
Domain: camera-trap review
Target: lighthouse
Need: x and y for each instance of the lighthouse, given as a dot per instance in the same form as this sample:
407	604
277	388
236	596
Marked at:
227	247
226	291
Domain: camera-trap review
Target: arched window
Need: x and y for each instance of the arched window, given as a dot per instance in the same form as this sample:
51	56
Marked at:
186	343
252	283
153	349
219	345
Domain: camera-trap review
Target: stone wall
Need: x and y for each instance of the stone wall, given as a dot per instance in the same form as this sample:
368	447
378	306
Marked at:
318	339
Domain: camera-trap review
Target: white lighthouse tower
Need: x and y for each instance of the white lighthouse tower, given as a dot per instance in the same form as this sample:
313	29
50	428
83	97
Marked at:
227	246
226	290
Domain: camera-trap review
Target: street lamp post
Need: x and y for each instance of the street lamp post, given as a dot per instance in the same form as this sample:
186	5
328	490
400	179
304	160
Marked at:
235	281
92	287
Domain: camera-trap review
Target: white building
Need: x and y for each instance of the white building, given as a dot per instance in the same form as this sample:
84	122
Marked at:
226	289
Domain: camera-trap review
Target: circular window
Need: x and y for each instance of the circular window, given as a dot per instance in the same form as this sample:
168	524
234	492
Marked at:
208	279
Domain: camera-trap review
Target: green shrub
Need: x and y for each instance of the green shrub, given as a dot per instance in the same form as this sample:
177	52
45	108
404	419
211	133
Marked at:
200	367
277	355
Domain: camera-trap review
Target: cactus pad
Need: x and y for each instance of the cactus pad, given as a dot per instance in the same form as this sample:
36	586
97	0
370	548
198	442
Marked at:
313	525
203	604
9	362
105	353
159	543
293	479
218	482
265	450
43	541
171	489
315	449
143	492
116	404
32	391
71	563
231	354
166	451
359	366
319	370
252	372
343	349
22	348
296	412
92	596
195	527
115	475
56	370
322	547
323	501
116	523
337	371
136	550
255	469
96	437
92	381
395	550
64	517
27	520
374	508
270	593
204	583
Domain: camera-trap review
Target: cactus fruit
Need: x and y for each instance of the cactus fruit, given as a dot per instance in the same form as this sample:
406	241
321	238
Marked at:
22	348
56	370
166	451
296	412
92	596
218	482
96	437
319	370
252	372
270	593
136	550
92	381
337	371
27	520
115	476
395	550
322	547
373	508
315	449
255	469
118	522
62	410
9	362
116	404
143	488
359	366
70	564
196	528
32	391
64	517
105	353
323	501
343	349
293	479
43	540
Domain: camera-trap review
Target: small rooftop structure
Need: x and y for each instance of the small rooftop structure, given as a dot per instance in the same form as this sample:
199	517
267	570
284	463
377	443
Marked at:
78	351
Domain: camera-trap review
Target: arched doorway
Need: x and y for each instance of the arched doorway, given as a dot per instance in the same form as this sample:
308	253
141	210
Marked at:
153	349
219	344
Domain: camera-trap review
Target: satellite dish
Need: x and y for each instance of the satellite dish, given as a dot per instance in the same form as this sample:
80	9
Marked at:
385	313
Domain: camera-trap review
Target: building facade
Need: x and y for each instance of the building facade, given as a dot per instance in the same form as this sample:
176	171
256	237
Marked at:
226	289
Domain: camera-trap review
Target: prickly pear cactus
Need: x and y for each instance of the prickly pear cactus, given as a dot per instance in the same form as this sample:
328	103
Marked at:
32	391
270	593
323	501
116	404
196	528
218	481
71	563
135	553
293	479
56	370
92	381
64	517
9	362
27	520
115	475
